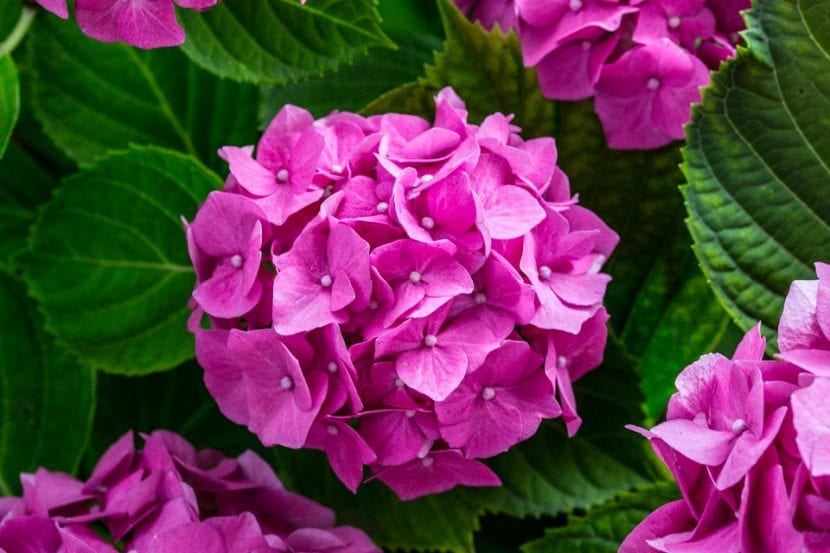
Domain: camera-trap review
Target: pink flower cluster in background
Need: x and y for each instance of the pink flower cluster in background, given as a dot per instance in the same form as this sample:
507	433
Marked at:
644	61
141	23
170	498
399	294
748	441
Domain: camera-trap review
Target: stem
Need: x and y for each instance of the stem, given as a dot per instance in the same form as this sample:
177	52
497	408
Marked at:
27	15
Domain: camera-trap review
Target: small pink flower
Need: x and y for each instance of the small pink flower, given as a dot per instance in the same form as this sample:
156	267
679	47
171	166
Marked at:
644	99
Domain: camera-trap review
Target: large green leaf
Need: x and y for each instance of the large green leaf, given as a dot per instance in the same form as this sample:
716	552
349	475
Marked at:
281	41
757	162
25	186
494	81
9	99
46	397
94	98
174	400
109	263
605	527
357	84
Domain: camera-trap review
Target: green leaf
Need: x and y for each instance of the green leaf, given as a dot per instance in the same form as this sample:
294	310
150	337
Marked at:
605	527
496	81
175	400
10	11
9	100
94	98
281	41
757	162
443	522
109	262
25	187
46	397
357	84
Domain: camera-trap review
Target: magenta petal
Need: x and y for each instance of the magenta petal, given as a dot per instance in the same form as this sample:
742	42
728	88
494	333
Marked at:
747	449
811	417
434	371
438	472
299	303
671	518
250	175
701	444
57	7
511	212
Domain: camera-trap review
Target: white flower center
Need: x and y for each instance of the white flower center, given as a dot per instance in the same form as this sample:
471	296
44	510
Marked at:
332	367
738	426
286	383
373	305
282	175
326	281
382	207
424	180
415	277
427	461
561	361
428	223
430	340
674	22
409	413
336	168
653	83
586	45
545	272
236	261
488	393
575	5
332	430
399	383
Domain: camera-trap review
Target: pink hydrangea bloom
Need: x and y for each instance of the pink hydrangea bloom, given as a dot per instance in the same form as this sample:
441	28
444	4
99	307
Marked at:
748	441
401	295
170	498
644	60
141	23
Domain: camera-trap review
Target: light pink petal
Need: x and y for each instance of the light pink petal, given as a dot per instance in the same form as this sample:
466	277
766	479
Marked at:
747	450
671	518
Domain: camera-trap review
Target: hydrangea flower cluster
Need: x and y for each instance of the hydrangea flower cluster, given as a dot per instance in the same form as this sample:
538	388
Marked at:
137	22
644	61
170	498
748	441
402	295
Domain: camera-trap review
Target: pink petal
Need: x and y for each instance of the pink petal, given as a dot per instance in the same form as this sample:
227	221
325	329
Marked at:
434	371
511	212
811	417
704	445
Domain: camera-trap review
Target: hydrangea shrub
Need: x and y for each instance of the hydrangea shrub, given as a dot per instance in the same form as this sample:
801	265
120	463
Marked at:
643	61
748	441
170	498
399	294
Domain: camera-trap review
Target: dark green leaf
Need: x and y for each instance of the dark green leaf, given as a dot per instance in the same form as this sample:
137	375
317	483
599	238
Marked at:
495	81
25	186
281	41
175	400
46	397
606	526
444	522
757	162
357	84
109	263
94	98
9	99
